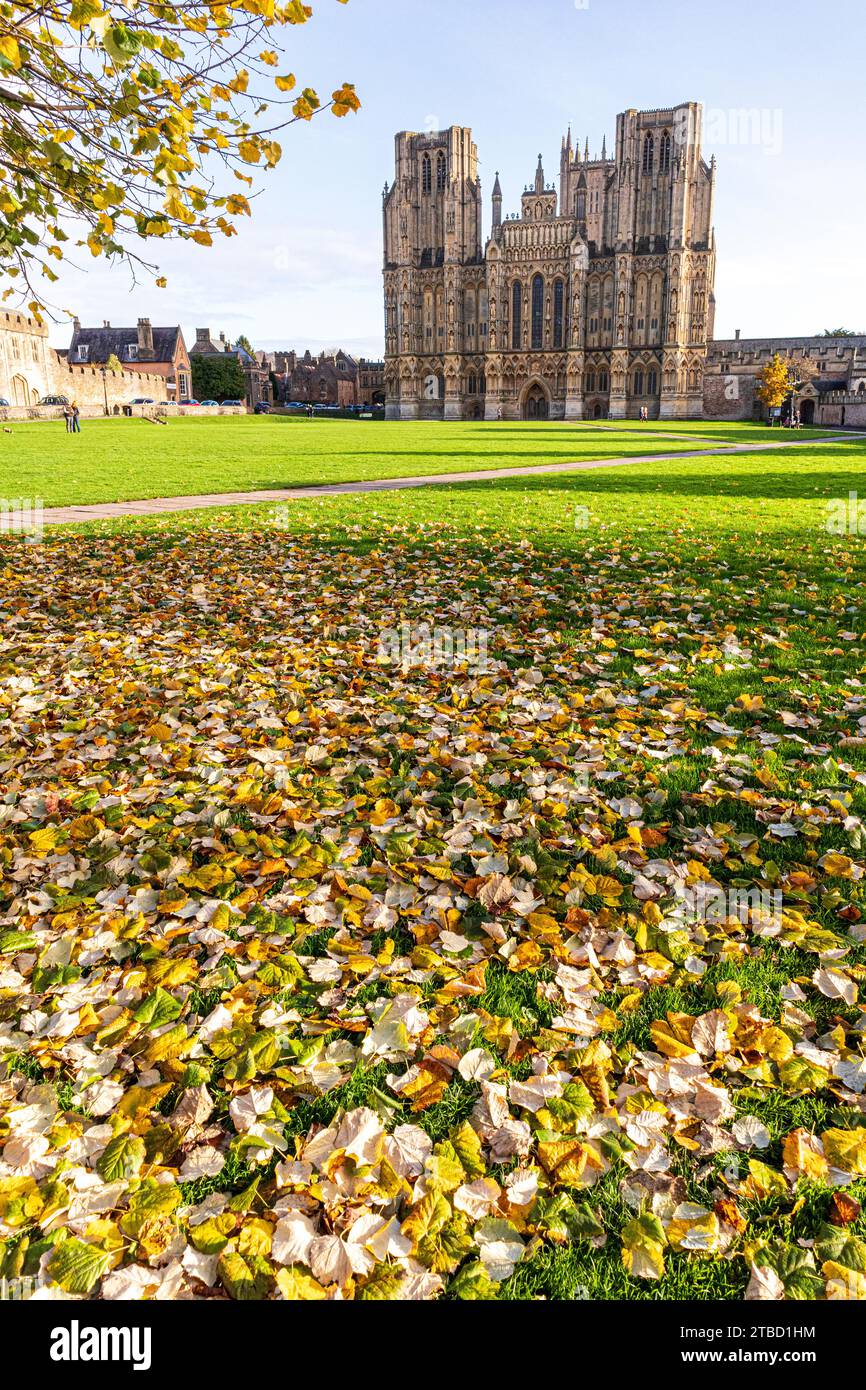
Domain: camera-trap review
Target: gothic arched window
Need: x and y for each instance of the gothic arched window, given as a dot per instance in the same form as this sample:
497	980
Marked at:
581	204
558	313
538	312
638	382
649	146
426	175
440	173
517	315
665	153
652	382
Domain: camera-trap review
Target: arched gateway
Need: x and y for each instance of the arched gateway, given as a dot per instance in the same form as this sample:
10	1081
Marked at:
536	402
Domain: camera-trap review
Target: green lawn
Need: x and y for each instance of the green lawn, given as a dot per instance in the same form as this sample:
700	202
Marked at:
114	460
254	868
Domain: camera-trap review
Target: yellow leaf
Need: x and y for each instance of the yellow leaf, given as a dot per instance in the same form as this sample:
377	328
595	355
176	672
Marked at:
528	956
801	1157
10	51
843	1283
297	1286
668	1045
846	1149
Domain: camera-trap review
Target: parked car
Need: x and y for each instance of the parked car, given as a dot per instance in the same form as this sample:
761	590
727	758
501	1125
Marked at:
262	408
54	400
3	401
187	401
143	400
208	402
233	403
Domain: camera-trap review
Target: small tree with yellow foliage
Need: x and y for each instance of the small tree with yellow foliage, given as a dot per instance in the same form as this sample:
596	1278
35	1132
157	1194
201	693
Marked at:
774	383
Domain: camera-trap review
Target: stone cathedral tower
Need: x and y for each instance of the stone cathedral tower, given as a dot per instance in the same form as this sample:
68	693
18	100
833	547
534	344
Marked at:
594	300
433	262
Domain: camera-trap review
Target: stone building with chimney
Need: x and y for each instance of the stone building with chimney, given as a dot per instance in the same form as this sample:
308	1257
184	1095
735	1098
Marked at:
156	352
329	378
257	377
827	376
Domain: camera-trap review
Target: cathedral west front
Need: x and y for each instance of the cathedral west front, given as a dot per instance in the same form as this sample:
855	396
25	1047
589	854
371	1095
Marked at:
595	301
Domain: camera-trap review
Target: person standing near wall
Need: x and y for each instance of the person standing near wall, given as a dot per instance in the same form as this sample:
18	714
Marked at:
76	418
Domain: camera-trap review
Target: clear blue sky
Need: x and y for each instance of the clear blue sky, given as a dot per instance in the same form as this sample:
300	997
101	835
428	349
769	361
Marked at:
791	197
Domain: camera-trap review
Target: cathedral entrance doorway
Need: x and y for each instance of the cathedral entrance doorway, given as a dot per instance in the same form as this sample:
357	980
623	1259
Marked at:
807	412
536	403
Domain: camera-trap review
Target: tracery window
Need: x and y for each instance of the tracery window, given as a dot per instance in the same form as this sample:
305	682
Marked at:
441	175
665	153
538	312
516	315
649	146
426	175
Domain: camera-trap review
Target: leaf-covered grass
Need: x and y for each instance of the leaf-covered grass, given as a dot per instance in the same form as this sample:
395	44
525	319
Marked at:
235	843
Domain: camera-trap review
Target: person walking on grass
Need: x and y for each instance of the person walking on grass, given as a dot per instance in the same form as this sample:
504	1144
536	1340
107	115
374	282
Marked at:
76	418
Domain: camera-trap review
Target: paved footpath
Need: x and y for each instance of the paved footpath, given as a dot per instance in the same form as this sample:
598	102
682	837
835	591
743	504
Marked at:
155	506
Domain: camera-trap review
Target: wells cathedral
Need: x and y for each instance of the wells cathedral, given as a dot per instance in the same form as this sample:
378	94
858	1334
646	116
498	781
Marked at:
595	301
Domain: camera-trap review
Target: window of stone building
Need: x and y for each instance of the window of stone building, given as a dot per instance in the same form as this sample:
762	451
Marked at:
652	382
426	175
665	153
516	315
649	145
603	381
558	313
441	174
590	381
638	382
538	312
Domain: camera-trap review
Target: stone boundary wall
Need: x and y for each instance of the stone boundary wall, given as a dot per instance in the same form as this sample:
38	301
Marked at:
842	409
84	384
23	414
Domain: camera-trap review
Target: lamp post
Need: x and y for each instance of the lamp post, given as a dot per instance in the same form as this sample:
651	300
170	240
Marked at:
794	383
104	371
